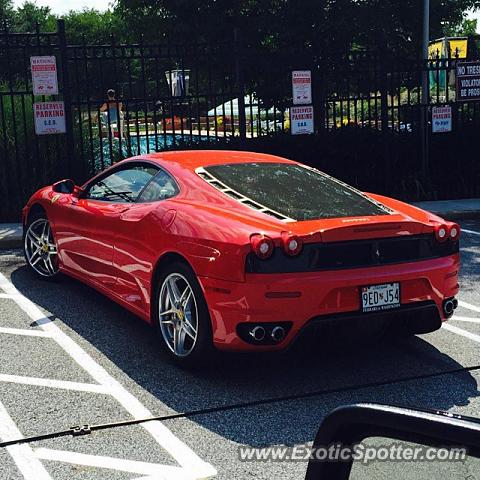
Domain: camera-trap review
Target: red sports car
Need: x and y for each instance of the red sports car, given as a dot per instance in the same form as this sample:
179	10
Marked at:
244	251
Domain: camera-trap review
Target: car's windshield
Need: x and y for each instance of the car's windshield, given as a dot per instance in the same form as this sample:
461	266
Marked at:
295	191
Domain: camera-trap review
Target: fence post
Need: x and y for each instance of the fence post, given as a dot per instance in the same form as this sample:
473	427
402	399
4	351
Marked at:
424	127
242	120
319	93
67	99
385	126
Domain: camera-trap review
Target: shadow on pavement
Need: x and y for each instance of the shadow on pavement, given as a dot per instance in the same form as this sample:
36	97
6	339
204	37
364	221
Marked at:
132	346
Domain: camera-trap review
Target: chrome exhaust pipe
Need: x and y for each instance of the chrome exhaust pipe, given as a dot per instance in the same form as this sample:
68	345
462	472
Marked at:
278	334
258	333
449	307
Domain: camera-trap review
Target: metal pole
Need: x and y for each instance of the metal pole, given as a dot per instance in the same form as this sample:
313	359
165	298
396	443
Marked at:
425	87
242	121
67	100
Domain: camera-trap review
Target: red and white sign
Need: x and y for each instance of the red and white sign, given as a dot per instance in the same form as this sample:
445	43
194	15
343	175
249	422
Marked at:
302	87
44	75
301	120
49	118
441	119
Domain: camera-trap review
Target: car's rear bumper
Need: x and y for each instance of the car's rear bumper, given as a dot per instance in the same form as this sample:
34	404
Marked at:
306	299
416	317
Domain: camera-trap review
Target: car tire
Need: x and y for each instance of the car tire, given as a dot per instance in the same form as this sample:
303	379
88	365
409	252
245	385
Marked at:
181	318
39	247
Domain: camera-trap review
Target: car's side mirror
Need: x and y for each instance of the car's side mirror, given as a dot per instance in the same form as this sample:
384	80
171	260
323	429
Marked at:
64	186
349	426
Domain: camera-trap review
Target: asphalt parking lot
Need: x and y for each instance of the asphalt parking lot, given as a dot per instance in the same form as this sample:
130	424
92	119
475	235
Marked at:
69	357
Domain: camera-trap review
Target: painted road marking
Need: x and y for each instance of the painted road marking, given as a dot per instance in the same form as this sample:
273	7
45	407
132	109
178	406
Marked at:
24	331
463	333
23	456
466	319
5	295
468	306
470	231
192	465
46	382
111	463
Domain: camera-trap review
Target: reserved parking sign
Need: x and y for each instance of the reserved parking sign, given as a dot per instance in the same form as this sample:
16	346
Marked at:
49	118
301	120
442	119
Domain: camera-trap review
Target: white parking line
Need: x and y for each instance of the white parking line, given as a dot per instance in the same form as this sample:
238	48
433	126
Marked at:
111	463
466	319
22	455
468	306
460	331
470	231
5	295
193	466
24	331
46	382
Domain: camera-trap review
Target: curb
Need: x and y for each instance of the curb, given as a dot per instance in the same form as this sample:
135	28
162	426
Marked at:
11	235
9	243
459	215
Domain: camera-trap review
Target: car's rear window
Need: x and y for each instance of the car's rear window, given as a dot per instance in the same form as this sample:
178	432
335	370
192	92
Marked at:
295	191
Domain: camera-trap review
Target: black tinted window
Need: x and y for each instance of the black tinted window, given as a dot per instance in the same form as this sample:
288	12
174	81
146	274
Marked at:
161	187
292	190
123	185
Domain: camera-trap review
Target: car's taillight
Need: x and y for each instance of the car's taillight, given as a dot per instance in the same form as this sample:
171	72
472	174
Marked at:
262	246
441	232
454	231
447	231
292	244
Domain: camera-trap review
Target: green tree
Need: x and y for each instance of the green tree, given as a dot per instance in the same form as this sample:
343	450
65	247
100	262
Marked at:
26	18
94	26
465	29
6	12
330	25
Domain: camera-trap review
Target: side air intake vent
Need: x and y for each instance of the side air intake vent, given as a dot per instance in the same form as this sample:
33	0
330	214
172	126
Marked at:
214	182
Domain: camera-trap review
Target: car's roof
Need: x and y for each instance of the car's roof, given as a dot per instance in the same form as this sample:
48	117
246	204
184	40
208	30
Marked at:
193	159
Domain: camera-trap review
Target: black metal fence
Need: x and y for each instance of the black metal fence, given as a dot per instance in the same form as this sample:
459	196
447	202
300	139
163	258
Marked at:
26	160
368	112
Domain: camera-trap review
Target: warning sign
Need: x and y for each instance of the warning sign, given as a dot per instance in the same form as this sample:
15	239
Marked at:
302	87
49	118
442	119
301	120
44	75
468	81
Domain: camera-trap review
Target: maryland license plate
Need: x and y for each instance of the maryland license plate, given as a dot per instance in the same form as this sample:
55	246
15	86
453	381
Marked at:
380	297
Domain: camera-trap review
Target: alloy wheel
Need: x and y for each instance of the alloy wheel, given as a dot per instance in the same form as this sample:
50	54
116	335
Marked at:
178	315
40	248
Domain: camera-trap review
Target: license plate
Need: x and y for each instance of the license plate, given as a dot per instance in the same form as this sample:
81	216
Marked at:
380	297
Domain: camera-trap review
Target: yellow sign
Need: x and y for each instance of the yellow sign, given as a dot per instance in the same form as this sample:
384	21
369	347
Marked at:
458	47
435	50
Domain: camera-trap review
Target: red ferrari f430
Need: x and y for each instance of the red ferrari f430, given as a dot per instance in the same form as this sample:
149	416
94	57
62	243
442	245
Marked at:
244	251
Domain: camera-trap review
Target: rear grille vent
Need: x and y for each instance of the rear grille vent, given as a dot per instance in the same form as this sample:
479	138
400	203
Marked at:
354	254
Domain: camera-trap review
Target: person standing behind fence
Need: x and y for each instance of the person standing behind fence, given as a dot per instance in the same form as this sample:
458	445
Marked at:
111	111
